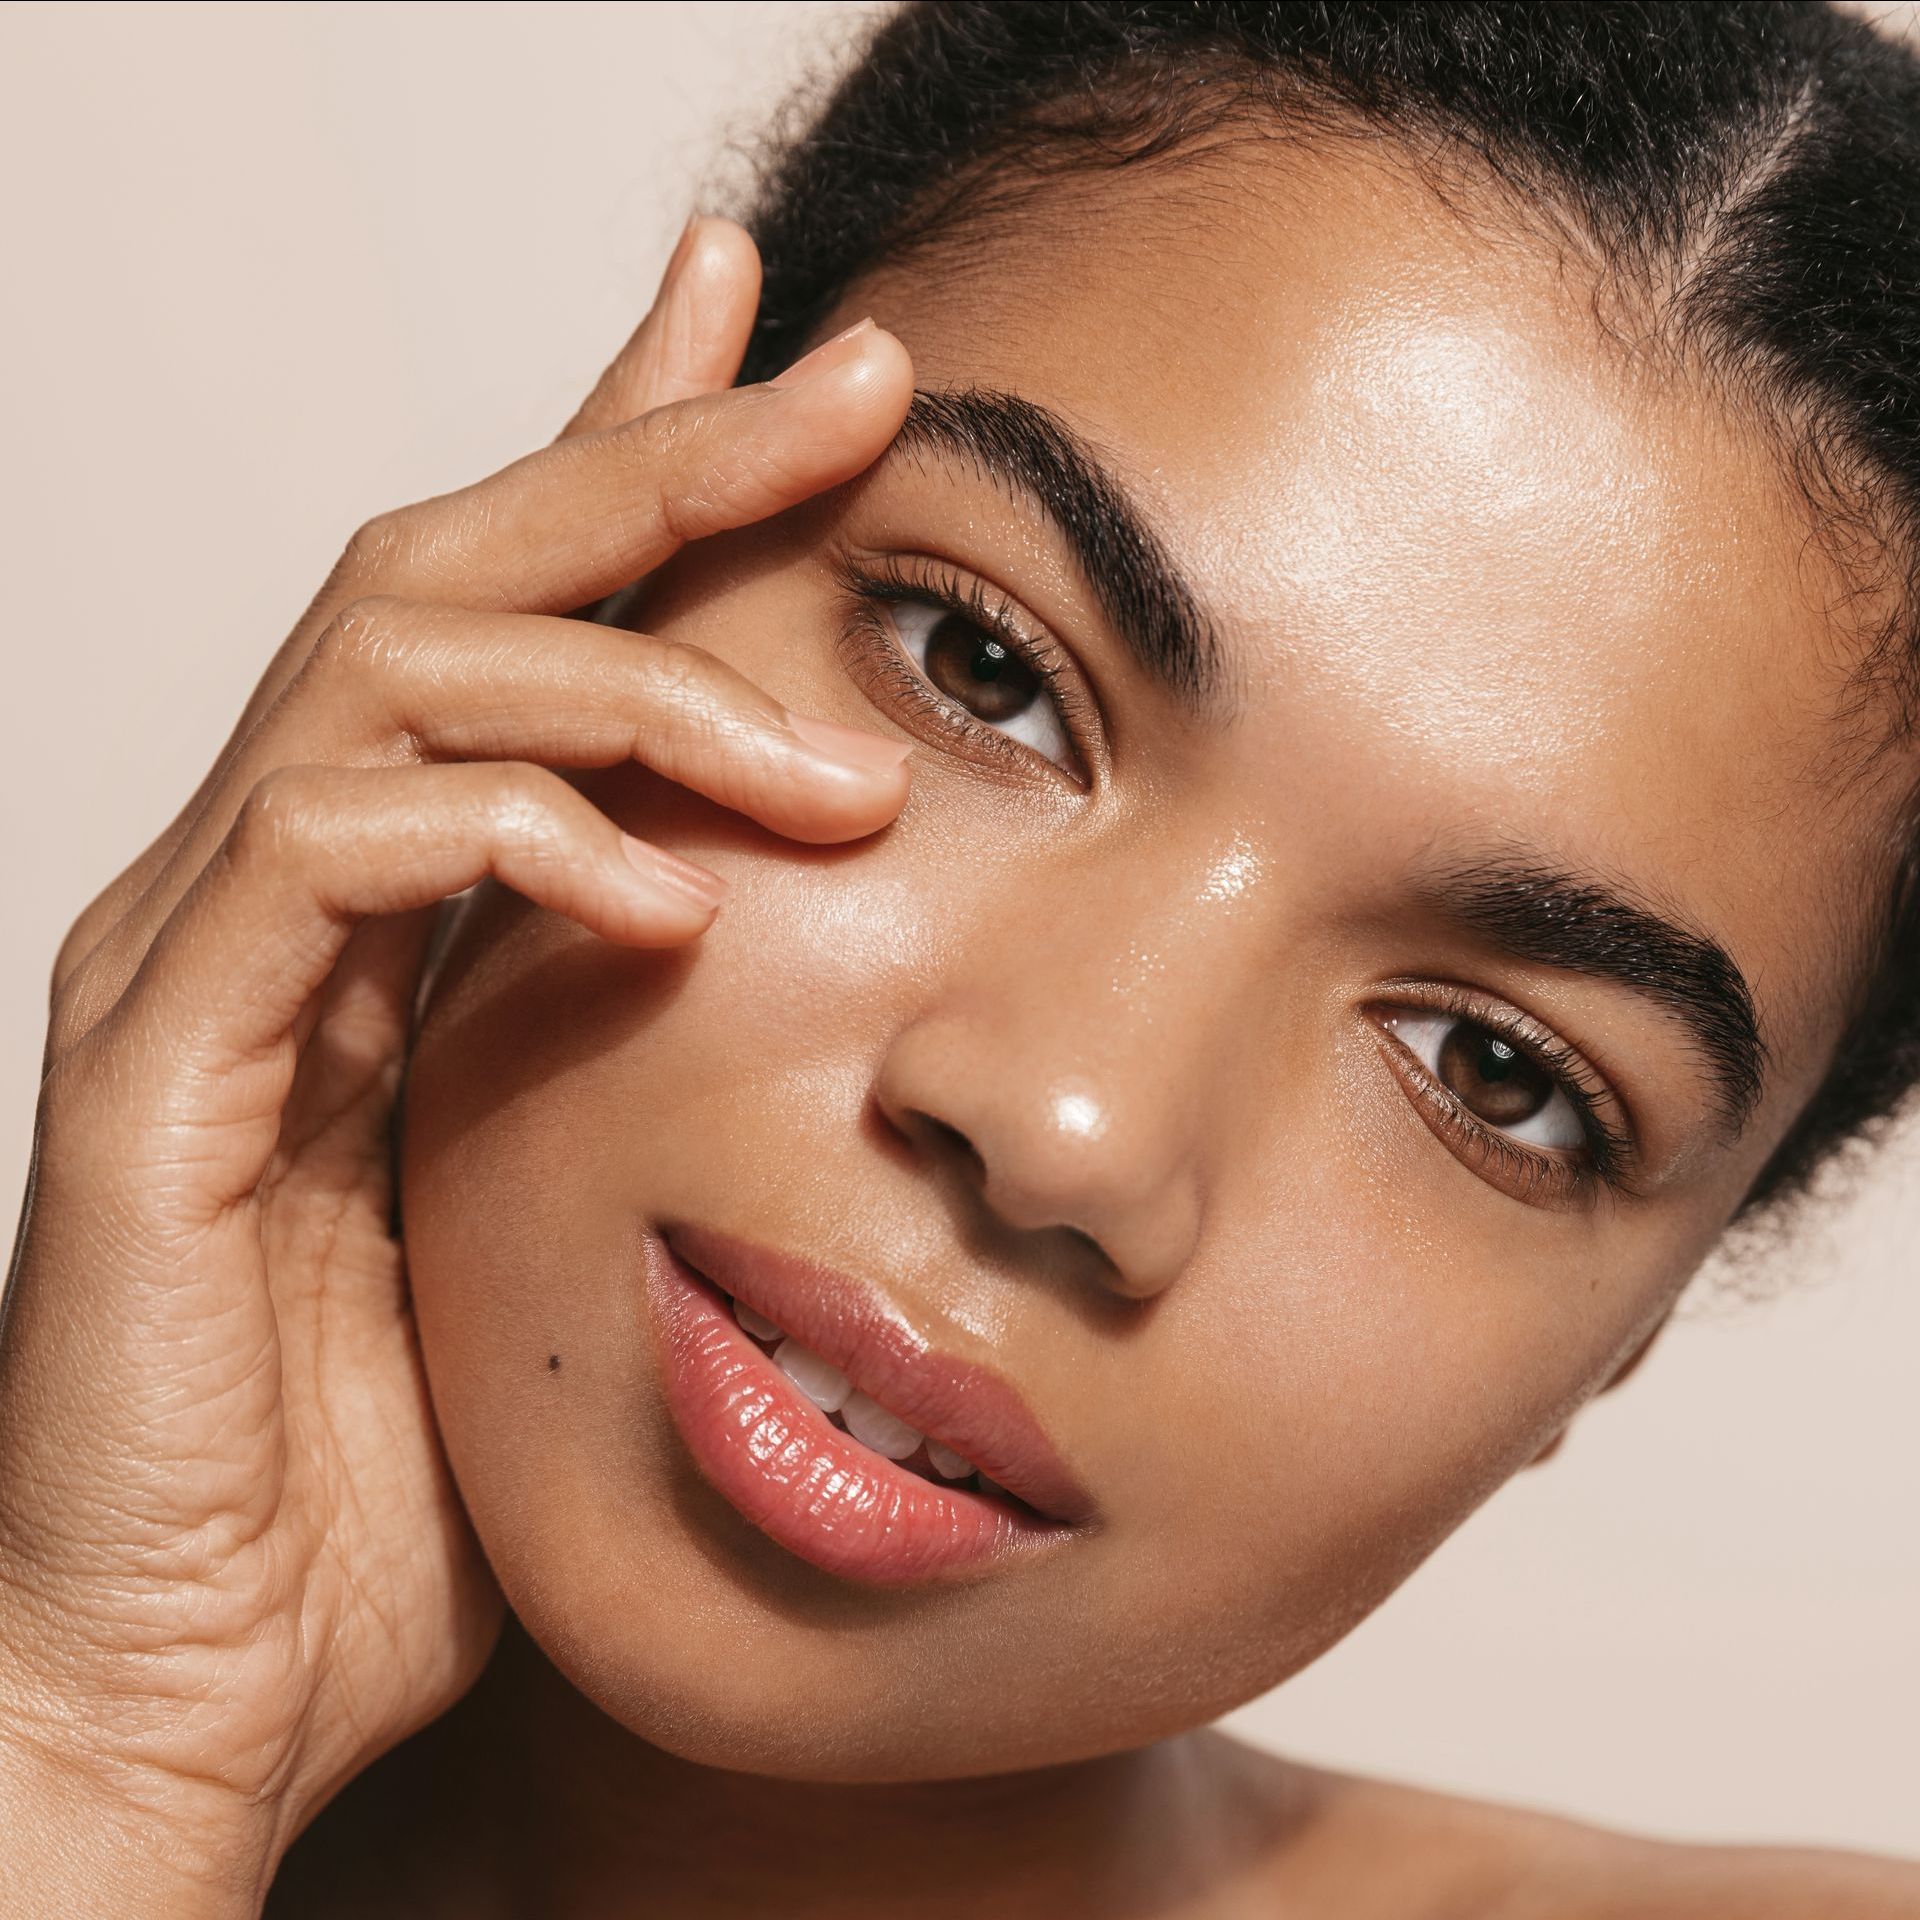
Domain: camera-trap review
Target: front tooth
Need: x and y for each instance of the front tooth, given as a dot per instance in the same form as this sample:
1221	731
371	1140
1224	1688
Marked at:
824	1384
871	1424
756	1324
946	1463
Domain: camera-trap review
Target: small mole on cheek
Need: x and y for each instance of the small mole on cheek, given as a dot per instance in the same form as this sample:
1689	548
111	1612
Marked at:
553	1363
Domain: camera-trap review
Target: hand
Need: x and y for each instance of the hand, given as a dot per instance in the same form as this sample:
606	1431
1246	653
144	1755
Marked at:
234	1568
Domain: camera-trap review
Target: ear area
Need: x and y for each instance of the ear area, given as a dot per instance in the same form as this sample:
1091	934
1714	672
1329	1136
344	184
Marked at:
1622	1373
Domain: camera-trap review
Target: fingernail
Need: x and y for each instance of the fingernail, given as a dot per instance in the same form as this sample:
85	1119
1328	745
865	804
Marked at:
826	356
680	877
851	746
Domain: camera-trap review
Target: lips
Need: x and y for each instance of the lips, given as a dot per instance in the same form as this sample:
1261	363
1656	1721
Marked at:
809	1484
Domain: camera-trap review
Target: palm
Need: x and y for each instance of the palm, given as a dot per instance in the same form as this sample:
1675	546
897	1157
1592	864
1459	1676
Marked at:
227	1525
395	1582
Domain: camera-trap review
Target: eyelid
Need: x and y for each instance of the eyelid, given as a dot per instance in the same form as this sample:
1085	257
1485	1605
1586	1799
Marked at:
1612	1143
882	578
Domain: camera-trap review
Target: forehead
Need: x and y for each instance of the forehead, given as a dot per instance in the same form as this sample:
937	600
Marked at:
1499	567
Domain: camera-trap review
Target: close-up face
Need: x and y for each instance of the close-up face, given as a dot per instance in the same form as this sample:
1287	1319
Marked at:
1373	892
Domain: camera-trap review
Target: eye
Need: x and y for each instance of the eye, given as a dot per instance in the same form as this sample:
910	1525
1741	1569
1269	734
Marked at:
978	668
1499	1083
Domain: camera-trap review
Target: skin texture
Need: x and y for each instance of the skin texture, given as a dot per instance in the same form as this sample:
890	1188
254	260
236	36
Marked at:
1476	578
233	1568
1093	1082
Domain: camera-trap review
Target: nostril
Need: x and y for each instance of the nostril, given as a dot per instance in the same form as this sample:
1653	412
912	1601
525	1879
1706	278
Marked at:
956	1143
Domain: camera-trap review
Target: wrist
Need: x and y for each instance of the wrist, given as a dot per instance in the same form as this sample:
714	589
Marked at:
82	1837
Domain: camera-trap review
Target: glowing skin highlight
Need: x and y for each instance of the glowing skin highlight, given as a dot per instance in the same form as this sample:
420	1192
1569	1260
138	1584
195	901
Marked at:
1096	1078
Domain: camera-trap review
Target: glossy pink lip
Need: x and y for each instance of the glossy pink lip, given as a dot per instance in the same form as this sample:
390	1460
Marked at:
783	1464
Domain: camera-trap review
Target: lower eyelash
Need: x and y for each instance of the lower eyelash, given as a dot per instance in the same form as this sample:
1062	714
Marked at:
1608	1148
1529	1170
871	590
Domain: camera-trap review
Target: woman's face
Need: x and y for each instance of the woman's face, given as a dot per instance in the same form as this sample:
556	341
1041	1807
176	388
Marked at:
1303	1099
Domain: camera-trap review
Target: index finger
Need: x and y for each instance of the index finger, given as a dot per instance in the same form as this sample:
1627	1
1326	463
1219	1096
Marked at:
570	523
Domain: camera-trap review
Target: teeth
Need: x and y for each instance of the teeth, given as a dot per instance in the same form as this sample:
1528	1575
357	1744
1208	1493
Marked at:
871	1424
825	1385
946	1463
756	1324
835	1395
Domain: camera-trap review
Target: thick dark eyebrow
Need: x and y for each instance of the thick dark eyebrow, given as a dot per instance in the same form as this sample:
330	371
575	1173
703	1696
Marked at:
1532	910
1024	449
1543	913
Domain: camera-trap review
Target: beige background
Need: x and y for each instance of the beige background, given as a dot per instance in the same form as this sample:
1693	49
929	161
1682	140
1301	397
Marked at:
270	269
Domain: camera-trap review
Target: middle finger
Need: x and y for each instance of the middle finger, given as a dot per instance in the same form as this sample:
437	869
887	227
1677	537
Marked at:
392	681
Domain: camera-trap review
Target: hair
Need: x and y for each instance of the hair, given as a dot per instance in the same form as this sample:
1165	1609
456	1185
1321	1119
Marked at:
1747	174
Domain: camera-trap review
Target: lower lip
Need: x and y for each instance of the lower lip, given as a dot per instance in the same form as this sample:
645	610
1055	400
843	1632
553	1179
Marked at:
803	1482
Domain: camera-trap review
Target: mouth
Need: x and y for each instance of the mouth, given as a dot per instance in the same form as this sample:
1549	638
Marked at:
825	1419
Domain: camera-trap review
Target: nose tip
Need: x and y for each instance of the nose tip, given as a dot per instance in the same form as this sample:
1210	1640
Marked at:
1070	1175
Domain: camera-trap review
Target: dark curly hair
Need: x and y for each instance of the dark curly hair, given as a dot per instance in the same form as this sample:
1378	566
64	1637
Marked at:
1746	177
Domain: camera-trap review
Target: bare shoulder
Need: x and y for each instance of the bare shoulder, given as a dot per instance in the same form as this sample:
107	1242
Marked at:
1361	1847
1764	1883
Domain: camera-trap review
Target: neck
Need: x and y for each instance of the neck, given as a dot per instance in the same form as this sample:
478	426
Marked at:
605	1825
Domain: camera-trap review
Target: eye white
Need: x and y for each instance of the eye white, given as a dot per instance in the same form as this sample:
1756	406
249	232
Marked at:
1038	725
1556	1125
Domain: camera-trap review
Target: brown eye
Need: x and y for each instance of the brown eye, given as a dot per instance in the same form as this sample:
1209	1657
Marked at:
1491	1077
1493	1080
969	665
981	674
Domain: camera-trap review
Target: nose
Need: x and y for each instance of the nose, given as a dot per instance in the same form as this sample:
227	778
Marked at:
1061	1090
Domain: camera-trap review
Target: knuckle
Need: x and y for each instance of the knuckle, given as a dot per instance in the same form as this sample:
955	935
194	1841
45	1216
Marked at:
525	801
690	506
273	816
673	448
376	547
659	439
362	638
527	816
680	674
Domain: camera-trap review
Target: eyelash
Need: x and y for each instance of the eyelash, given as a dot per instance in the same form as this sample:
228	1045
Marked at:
1529	1172
873	649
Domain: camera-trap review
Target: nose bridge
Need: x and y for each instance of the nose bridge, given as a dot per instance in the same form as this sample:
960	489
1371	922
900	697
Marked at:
1075	1049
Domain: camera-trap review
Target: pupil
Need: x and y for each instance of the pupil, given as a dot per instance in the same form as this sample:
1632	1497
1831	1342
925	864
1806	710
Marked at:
973	668
1490	1077
1497	1060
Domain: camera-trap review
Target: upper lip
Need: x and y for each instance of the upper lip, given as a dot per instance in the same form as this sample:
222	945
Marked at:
854	1327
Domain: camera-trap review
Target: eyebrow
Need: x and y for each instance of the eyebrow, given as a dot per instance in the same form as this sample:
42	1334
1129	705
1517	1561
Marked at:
1532	910
1026	450
1546	914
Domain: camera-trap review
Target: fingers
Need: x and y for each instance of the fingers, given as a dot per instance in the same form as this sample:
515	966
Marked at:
391	677
693	337
391	681
569	524
565	526
200	1048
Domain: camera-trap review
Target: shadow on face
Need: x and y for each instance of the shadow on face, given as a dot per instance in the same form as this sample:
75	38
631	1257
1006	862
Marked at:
1367	906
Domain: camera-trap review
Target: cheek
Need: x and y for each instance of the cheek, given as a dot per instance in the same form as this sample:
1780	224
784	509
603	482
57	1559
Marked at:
1327	1392
1352	1372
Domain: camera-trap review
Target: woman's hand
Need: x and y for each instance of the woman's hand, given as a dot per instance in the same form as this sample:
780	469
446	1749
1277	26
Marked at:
233	1566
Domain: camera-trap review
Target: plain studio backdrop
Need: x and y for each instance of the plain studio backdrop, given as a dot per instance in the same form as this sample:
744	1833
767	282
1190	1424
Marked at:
271	269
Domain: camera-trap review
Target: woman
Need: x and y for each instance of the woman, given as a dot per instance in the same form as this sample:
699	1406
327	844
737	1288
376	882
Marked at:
1185	874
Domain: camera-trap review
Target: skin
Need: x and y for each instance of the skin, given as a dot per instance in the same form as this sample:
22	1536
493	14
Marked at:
1477	577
